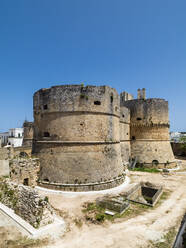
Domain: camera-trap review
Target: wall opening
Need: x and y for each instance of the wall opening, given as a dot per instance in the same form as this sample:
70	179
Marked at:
45	106
111	98
23	155
133	137
138	119
97	103
46	134
25	181
155	162
46	180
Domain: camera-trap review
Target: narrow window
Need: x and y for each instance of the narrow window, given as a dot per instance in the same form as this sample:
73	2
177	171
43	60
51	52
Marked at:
97	103
25	182
45	106
46	134
111	98
138	119
133	137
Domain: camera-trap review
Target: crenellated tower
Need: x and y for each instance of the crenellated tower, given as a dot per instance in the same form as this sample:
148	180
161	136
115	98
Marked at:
77	137
149	131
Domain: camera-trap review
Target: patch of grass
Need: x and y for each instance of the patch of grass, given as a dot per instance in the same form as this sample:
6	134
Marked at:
96	214
168	240
25	242
142	169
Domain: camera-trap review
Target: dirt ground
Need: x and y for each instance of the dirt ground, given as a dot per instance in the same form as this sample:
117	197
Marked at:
131	232
136	232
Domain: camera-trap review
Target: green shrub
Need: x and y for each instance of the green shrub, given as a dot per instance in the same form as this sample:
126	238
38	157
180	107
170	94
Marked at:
100	217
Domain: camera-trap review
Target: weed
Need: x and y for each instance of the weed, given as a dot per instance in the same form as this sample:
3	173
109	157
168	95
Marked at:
46	198
78	222
168	240
150	170
25	242
100	217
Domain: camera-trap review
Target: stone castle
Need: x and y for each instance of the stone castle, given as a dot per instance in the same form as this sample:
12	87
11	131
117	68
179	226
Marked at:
84	135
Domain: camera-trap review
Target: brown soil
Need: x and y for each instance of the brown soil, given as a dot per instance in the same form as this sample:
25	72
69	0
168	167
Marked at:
132	232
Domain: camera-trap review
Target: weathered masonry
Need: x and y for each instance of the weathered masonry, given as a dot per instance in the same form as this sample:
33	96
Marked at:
28	133
149	131
83	135
77	137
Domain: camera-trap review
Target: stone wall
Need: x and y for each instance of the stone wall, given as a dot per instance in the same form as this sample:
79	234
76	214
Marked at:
27	203
24	171
149	132
149	111
148	152
125	134
28	130
86	150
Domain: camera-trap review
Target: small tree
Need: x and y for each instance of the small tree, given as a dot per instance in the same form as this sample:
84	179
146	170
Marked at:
183	141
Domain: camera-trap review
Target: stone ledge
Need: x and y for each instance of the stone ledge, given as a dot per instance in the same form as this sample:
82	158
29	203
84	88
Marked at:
124	122
84	187
77	113
77	142
149	125
151	140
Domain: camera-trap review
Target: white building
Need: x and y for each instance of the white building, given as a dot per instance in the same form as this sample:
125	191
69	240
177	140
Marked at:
176	136
14	137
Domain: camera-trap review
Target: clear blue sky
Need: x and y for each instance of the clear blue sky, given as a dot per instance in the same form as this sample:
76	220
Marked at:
127	44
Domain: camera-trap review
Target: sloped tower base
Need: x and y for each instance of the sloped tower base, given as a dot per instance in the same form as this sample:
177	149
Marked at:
77	137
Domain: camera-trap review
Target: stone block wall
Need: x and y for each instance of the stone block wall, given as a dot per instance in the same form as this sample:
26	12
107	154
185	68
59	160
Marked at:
125	134
149	132
27	203
28	131
24	171
86	150
156	154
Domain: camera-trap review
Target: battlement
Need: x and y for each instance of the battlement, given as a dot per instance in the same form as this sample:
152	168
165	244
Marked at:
84	134
77	98
125	96
149	111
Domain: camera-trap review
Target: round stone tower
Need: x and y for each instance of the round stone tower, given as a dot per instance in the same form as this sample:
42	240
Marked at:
77	137
149	132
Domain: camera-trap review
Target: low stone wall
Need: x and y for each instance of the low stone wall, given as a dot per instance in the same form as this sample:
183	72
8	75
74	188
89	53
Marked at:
27	203
24	171
84	187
